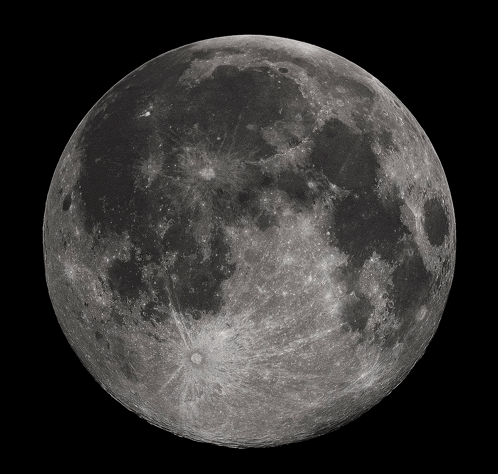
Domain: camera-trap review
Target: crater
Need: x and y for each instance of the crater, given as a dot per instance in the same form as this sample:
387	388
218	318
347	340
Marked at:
66	204
207	173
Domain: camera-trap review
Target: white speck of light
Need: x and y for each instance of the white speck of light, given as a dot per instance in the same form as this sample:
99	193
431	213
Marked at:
288	259
147	111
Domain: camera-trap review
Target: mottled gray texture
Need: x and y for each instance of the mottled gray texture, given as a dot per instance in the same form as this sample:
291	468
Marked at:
249	241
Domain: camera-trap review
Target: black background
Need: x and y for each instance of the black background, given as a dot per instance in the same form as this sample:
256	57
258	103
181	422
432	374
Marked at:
71	413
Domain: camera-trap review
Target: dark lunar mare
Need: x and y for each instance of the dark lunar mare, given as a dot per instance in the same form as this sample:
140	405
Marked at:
436	223
364	224
115	141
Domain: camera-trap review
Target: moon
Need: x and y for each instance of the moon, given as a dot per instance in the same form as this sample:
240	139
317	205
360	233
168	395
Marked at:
249	241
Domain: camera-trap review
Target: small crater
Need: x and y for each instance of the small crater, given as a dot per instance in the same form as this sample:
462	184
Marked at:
66	204
196	358
283	70
421	313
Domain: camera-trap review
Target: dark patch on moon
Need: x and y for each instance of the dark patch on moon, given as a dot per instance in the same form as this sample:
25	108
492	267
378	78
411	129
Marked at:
357	312
386	141
127	370
266	220
226	206
125	277
200	279
112	152
295	186
363	224
112	146
436	223
249	204
344	157
411	285
178	238
117	317
151	312
66	204
231	96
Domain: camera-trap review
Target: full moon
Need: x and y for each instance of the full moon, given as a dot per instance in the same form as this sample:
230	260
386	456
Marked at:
249	241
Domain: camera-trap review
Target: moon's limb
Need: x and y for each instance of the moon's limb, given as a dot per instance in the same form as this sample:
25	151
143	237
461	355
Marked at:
249	241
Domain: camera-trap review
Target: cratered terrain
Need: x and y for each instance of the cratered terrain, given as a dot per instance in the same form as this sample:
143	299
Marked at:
249	241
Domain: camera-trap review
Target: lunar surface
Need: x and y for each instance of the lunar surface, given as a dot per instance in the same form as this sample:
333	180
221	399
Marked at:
249	241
